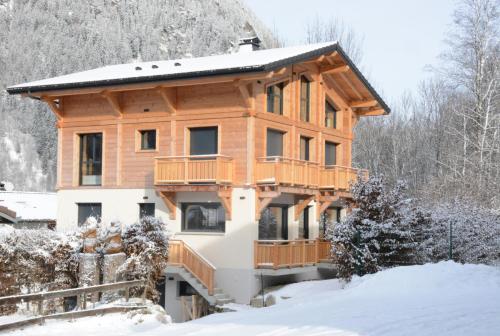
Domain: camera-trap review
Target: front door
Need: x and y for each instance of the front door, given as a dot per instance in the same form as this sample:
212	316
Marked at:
273	223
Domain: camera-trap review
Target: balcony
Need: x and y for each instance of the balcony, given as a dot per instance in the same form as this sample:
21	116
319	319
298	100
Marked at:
200	169
282	171
339	177
276	254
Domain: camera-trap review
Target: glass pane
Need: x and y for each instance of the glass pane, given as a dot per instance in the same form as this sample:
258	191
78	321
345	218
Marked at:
203	141
273	223
203	217
330	116
90	159
86	210
304	224
304	148
146	210
330	154
304	98
148	139
274	143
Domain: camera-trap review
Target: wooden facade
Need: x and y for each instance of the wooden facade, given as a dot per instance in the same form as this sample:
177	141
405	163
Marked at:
237	106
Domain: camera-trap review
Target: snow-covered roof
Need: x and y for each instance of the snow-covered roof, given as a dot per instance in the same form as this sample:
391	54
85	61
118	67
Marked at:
30	205
241	62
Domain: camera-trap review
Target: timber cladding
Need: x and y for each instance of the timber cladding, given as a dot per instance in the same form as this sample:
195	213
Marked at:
238	108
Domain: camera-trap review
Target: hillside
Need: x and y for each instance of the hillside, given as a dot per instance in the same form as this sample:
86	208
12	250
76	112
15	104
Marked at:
45	38
433	299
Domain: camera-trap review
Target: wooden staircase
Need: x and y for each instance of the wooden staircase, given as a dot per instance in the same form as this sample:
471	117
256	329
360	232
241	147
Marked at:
195	270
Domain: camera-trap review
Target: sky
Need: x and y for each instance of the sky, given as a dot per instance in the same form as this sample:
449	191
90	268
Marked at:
400	37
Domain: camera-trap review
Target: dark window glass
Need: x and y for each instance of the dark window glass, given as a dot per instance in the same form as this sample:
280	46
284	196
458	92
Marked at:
86	210
205	217
273	222
90	159
330	116
331	214
330	154
203	141
274	143
304	148
146	210
275	98
304	224
148	139
305	96
185	289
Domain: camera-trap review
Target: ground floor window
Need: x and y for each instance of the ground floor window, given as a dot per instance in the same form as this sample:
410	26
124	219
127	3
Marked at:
185	289
86	210
273	223
203	217
331	215
146	210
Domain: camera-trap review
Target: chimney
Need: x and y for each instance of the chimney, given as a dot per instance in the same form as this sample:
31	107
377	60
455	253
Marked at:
248	44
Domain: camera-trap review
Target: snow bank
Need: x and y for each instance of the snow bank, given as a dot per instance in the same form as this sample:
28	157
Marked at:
434	299
30	205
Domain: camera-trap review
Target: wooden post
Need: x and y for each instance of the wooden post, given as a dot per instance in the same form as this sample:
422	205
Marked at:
275	255
40	307
255	246
290	254
127	294
193	306
303	253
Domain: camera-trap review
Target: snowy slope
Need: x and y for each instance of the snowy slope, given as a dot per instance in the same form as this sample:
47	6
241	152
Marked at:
434	299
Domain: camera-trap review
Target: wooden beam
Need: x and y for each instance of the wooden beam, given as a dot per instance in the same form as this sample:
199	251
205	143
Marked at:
301	205
370	112
166	95
245	94
353	88
363	103
112	99
56	108
317	59
323	202
333	69
225	197
170	202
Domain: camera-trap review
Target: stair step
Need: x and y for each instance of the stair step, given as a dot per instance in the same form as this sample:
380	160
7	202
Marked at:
224	301
218	291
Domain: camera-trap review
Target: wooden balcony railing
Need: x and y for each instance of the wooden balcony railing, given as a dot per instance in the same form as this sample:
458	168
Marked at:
278	170
290	253
216	169
181	254
339	177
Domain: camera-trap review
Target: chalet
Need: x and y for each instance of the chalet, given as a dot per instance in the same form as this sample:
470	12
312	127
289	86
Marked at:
239	153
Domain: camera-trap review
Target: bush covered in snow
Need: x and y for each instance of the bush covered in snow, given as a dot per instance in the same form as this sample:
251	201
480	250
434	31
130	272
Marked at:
475	233
382	230
146	246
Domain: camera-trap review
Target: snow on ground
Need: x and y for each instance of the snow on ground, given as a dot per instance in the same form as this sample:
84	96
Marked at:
433	299
30	205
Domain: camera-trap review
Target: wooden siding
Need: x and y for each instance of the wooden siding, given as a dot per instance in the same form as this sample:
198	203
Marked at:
242	123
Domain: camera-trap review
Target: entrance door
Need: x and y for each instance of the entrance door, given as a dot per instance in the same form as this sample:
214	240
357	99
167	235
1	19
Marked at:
273	223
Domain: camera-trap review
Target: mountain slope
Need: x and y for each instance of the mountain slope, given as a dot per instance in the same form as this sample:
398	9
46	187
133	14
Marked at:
45	38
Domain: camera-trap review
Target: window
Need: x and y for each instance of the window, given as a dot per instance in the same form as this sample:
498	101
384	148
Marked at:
146	210
305	96
331	215
275	98
203	217
274	143
330	154
203	141
185	289
330	115
90	159
304	224
273	222
304	148
148	139
87	210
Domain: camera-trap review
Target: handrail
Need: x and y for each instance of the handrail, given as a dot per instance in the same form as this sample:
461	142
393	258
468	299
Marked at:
285	253
283	159
203	271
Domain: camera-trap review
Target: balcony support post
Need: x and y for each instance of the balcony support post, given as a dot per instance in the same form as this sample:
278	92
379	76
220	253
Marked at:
225	196
301	205
170	202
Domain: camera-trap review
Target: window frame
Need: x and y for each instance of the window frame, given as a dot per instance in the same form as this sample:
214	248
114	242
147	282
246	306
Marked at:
336	146
335	114
307	99
80	137
188	142
141	216
270	101
307	154
216	205
283	141
79	204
